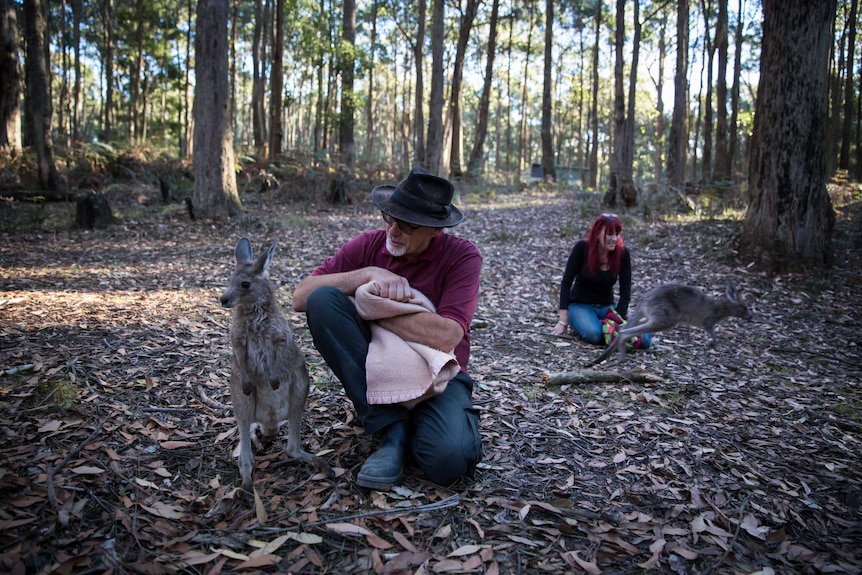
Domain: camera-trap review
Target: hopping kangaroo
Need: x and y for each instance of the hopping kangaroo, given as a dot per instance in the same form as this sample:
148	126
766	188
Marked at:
670	304
268	378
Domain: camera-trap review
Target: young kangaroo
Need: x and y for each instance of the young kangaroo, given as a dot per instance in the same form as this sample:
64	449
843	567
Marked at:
268	378
670	304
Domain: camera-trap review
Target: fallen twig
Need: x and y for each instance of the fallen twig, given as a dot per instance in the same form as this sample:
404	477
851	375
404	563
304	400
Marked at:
451	501
207	400
52	496
598	376
731	543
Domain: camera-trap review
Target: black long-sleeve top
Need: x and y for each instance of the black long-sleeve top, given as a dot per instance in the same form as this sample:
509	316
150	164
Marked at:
580	286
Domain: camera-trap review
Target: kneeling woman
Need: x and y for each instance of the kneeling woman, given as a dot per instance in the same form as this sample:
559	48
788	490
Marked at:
595	265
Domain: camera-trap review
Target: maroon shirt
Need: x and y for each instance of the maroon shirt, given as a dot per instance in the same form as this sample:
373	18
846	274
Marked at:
447	273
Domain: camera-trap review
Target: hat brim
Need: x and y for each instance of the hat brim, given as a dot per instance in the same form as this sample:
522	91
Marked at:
382	198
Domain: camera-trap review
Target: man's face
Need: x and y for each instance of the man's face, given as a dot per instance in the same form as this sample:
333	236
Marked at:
403	239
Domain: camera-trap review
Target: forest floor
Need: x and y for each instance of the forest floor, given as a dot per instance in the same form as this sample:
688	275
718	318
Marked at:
118	435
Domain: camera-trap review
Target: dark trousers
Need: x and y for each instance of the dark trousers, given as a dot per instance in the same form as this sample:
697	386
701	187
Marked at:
444	429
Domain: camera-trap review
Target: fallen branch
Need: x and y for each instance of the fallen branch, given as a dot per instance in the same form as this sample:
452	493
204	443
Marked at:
451	501
598	376
207	400
52	496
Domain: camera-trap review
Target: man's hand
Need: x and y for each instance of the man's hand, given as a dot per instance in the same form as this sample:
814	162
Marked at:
391	286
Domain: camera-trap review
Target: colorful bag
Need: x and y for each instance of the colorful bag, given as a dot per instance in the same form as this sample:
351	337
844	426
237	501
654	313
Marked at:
611	326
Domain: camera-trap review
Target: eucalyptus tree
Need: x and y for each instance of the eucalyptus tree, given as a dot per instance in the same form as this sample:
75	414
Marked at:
477	155
465	25
38	107
678	136
215	191
789	220
434	139
549	170
10	79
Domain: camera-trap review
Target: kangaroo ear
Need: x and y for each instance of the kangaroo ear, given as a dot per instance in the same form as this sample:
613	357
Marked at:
265	259
731	291
243	251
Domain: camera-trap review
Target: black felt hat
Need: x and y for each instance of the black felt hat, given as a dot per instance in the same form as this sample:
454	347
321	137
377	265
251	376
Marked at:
420	199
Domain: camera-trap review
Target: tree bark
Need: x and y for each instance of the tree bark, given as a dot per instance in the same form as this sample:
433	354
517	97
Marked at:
548	160
10	79
847	120
276	127
594	104
38	95
456	163
790	219
346	119
215	191
706	104
659	121
258	80
721	168
434	146
421	151
476	162
678	136
733	140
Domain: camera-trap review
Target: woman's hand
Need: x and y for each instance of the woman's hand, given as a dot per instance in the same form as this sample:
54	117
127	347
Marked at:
560	328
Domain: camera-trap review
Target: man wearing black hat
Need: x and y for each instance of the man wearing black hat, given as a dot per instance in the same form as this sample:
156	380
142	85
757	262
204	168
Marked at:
412	254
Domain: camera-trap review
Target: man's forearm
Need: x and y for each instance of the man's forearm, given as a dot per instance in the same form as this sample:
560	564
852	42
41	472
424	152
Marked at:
426	328
346	282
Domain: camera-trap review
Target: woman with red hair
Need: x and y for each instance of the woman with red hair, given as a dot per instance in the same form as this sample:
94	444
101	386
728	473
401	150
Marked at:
595	265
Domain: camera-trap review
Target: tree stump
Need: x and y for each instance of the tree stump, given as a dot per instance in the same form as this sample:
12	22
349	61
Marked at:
93	211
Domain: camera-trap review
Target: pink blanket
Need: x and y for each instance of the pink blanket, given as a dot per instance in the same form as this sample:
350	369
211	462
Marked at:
400	371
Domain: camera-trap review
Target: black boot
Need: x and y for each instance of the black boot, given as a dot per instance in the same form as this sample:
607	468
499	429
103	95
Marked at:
386	465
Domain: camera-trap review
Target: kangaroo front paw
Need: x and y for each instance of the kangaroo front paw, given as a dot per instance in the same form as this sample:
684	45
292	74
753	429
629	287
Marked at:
247	387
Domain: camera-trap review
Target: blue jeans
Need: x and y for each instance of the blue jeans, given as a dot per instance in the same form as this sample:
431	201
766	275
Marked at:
444	429
586	320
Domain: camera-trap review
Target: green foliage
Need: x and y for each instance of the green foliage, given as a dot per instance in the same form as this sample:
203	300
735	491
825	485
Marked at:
60	393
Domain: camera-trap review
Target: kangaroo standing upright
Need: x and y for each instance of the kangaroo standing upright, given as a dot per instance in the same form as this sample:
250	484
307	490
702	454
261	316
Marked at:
268	377
667	305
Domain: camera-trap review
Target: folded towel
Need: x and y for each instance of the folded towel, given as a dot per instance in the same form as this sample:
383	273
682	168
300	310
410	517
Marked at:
399	371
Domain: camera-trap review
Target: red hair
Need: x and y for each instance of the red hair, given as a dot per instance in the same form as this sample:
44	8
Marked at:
602	224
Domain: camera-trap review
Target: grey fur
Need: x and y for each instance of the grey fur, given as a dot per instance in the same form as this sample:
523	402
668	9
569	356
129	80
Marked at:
268	377
670	304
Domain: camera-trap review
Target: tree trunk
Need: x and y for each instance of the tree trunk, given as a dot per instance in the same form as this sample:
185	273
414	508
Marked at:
790	218
733	143
456	162
617	178
706	104
594	105
548	160
434	146
38	95
523	144
370	99
137	76
678	137
258	80
477	155
108	57
215	191
659	122
346	120
10	79
421	151
847	125
721	168
276	127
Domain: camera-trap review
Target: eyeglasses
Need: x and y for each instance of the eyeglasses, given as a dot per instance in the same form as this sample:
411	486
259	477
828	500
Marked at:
406	229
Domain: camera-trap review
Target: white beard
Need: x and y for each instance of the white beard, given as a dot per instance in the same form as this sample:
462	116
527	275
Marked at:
396	250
